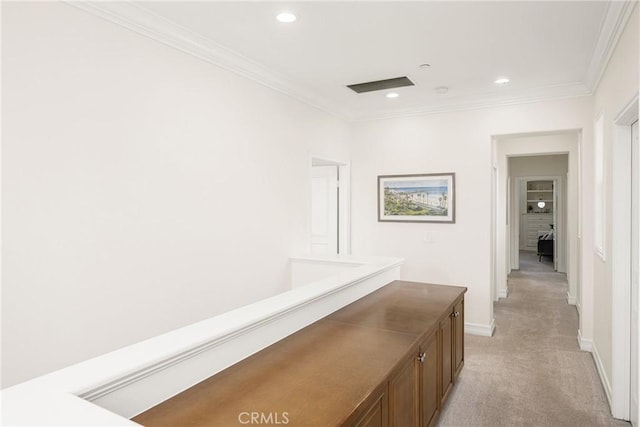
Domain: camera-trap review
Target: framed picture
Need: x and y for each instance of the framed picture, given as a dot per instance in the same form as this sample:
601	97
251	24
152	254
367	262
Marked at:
417	198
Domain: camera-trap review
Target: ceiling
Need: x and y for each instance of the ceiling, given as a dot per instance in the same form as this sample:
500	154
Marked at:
548	49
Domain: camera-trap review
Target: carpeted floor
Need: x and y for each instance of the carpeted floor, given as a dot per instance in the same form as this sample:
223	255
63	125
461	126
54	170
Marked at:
531	372
529	263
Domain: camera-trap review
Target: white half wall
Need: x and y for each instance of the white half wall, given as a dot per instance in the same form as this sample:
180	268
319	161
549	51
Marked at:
135	378
143	189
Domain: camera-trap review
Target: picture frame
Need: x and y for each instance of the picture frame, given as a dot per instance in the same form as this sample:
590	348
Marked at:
417	198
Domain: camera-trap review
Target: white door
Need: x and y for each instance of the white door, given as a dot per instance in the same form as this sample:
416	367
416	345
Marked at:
635	261
324	210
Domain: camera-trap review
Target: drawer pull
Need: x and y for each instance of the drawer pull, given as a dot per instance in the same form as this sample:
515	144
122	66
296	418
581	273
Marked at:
421	357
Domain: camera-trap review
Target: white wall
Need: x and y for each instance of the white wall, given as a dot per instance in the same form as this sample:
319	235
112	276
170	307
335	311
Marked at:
142	189
618	86
459	142
538	165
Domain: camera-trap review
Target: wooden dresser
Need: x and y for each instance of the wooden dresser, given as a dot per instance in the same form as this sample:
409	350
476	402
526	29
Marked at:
388	359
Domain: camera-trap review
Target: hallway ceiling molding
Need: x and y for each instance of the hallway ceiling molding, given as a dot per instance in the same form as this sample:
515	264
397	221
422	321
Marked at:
618	13
325	57
136	18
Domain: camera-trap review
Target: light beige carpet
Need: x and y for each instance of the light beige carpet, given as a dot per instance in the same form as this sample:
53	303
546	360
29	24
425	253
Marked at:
531	372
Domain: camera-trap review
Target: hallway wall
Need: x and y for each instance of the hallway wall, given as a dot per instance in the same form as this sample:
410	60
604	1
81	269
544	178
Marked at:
617	88
459	142
538	165
143	189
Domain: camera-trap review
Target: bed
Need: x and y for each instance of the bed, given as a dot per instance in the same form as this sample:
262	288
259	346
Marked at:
545	245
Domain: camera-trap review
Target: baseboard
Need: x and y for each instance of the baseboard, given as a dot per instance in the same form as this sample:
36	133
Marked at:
589	345
585	344
480	329
503	293
603	376
571	300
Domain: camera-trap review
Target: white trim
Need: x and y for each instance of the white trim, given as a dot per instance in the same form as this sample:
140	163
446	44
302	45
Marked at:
344	208
599	186
578	307
136	17
601	372
613	24
185	369
480	329
227	337
579	195
559	214
585	344
503	293
571	300
629	113
466	103
501	231
620	258
492	241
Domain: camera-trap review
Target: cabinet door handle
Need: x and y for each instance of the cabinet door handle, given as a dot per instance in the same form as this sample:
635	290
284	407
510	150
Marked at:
455	314
421	357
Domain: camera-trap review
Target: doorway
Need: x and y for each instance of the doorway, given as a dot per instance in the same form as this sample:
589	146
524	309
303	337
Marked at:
544	144
329	207
538	206
625	254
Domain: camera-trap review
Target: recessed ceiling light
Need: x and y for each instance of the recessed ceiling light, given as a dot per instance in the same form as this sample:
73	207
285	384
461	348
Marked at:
425	65
441	90
502	81
286	17
392	95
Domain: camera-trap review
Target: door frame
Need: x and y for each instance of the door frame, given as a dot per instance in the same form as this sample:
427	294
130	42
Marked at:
560	244
621	261
523	144
344	201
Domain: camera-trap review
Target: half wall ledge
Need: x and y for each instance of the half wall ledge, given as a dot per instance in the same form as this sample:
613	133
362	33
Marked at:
110	389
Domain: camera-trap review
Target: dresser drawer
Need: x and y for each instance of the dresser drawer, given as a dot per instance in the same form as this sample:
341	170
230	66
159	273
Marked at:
532	234
539	221
532	243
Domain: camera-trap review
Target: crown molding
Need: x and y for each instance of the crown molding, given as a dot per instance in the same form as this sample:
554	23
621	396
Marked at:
478	102
135	17
613	24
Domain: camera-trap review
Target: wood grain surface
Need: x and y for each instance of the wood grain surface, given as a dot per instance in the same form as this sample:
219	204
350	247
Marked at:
323	375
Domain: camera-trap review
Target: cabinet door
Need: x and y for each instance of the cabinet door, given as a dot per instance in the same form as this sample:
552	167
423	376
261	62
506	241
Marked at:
458	313
446	345
403	395
375	415
429	379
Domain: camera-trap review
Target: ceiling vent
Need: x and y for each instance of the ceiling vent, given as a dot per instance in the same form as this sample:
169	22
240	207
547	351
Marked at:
381	85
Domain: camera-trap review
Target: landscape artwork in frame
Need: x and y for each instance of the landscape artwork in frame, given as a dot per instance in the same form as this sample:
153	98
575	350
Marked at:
417	198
